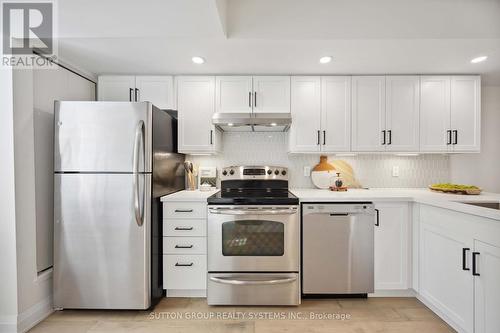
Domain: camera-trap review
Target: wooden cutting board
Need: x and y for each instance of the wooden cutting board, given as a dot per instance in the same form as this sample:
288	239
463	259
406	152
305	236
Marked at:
456	191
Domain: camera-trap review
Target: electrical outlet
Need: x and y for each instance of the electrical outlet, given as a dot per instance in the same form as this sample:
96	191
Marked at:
395	171
307	171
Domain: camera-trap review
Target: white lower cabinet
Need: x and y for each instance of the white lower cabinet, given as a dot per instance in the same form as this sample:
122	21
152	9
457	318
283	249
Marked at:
185	248
391	246
444	284
487	288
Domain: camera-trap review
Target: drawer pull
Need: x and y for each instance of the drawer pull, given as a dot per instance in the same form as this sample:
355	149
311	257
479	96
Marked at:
183	265
184	246
183	210
184	228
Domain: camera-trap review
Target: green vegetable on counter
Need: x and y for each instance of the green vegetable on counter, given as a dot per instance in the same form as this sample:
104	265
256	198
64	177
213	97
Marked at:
448	186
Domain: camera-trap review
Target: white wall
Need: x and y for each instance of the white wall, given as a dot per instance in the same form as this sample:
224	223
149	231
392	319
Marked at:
8	271
482	169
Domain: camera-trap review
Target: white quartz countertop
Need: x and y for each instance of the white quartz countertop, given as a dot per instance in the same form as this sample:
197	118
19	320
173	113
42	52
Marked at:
186	195
423	196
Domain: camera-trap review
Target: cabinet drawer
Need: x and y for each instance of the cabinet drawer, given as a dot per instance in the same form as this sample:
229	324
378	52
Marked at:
184	271
185	227
184	210
184	245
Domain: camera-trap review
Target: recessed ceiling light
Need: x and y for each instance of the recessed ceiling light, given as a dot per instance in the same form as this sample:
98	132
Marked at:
478	59
325	59
198	60
230	124
273	124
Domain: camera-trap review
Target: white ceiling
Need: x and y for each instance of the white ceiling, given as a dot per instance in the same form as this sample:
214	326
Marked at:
281	36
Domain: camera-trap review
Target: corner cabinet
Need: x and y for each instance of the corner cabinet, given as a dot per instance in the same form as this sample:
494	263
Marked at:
321	114
196	106
392	246
450	114
156	89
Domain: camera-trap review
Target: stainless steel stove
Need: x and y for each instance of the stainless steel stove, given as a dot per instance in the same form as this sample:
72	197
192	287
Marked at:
253	239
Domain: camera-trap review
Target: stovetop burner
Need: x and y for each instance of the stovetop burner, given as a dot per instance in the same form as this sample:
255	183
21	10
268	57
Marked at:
261	185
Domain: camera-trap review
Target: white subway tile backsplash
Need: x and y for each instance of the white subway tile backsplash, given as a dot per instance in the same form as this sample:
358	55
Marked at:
372	170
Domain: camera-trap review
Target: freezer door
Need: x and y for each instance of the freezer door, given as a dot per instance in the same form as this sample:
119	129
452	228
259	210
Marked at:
102	249
102	136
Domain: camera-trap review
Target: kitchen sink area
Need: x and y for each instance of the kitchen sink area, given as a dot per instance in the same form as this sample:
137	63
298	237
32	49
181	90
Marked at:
490	205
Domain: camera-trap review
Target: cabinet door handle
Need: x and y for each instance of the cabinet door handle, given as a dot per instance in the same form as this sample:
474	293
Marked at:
183	265
455	137
183	228
377	224
249	99
324	138
474	264
184	246
448	132
464	259
390	137
130	94
183	210
383	137
211	137
319	137
136	95
255	99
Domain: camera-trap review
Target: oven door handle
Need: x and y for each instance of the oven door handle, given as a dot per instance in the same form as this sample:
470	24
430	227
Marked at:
233	281
228	211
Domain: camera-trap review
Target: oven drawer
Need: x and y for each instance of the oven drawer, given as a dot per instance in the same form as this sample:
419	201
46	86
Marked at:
185	210
253	289
184	245
185	227
184	271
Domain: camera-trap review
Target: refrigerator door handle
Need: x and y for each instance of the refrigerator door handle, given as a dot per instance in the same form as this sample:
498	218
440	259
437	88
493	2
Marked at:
139	140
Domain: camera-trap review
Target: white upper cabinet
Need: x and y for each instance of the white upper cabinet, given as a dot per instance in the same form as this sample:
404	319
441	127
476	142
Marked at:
465	113
304	134
335	113
271	94
391	246
116	88
368	113
402	113
435	132
158	90
233	94
196	106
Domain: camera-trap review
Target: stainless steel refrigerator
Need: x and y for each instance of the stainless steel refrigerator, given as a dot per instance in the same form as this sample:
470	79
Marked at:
113	161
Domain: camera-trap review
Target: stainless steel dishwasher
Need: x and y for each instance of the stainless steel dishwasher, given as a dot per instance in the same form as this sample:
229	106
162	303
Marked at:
337	248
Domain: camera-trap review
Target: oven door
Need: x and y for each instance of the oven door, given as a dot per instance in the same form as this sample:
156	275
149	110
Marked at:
253	239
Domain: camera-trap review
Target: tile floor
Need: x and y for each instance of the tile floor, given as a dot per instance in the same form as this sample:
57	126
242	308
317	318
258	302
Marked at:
391	315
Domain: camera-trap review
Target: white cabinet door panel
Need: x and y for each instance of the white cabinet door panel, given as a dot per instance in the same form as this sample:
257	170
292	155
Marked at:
443	282
306	113
466	113
158	90
391	246
116	88
434	113
402	113
233	94
336	113
368	113
487	288
271	94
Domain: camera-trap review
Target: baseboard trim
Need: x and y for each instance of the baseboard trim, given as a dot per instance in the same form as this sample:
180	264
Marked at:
186	293
434	309
393	293
35	314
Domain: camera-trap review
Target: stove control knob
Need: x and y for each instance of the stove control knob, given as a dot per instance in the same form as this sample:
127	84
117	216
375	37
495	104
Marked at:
224	173
231	172
276	172
269	171
283	172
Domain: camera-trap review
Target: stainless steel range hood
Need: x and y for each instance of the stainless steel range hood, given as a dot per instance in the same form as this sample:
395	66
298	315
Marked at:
252	122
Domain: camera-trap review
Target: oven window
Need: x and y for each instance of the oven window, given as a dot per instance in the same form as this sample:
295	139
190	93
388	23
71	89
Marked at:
253	238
